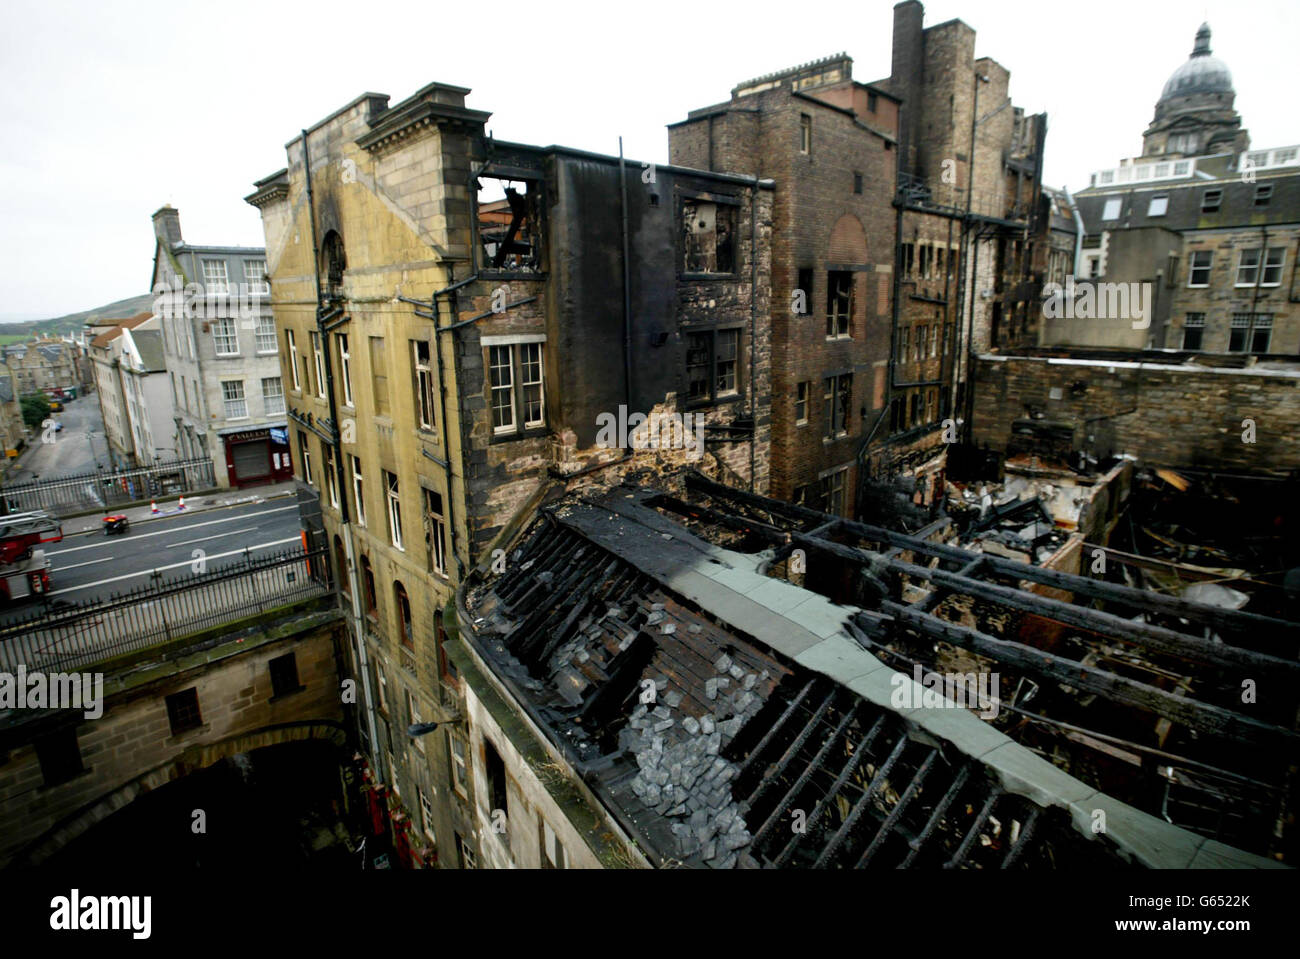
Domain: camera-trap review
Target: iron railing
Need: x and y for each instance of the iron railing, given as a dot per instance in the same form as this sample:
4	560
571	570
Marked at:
102	489
67	636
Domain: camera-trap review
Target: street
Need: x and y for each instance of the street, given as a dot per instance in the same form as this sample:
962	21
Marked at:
92	566
76	449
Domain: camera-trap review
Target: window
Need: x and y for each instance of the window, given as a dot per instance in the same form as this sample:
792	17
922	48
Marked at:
272	395
710	230
394	509
552	852
225	339
318	354
801	403
345	367
423	384
838	396
293	359
1193	331
839	304
904	338
379	375
183	710
857	182
1159	205
435	532
934	340
1273	263
921	333
495	768
1198	267
1263	194
341	565
304	459
872	100
459	776
1250	333
466	854
331	475
805	133
265	334
446	668
255	276
1248	267
59	756
501	370
530	362
284	675
215	280
711	370
1210	201
372	607
402	604
232	393
426	812
806	288
358	491
1111	211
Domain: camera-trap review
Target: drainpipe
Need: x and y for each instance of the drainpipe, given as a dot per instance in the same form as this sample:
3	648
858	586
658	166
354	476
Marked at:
753	326
358	623
1079	231
1259	277
627	287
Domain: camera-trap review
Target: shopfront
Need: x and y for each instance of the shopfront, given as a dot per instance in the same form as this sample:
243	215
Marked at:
254	457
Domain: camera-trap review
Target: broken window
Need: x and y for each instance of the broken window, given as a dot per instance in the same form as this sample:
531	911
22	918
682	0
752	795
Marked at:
336	262
402	602
712	369
839	303
495	768
423	384
435	533
838	397
709	231
508	234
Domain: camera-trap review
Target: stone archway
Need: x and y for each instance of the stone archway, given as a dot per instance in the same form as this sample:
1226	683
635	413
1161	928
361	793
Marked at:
198	756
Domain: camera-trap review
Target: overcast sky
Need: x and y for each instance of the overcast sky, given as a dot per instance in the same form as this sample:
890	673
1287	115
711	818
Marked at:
113	109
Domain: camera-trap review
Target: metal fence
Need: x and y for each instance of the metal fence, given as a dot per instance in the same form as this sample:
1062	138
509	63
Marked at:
69	636
101	490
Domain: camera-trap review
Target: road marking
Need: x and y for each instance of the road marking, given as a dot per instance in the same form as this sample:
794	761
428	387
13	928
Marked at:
173	532
60	569
185	562
201	539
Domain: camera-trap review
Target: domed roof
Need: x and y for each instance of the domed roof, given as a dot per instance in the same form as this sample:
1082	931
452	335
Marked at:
1201	73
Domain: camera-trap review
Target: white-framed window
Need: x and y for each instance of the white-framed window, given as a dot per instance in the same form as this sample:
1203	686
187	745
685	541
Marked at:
318	355
215	280
801	403
272	395
358	491
1250	333
805	133
426	814
266	334
413	709
1248	267
345	367
393	497
331	477
293	359
1112	208
838	399
436	531
467	859
1198	267
530	366
225	338
1274	260
423	384
833	485
381	688
1194	331
501	373
392	772
304	458
1158	206
552	850
232	393
255	276
459	774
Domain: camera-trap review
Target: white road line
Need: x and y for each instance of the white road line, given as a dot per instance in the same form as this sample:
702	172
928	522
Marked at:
60	569
203	539
186	562
172	532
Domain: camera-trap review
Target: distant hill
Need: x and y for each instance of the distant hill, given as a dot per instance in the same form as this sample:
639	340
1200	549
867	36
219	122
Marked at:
120	310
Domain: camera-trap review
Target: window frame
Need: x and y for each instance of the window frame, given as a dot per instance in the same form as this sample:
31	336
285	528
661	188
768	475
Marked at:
1193	268
318	359
1243	267
261	287
1194	322
358	489
227	399
422	372
393	502
268	407
304	455
212	284
291	342
839	304
342	345
224	329
259	346
802	390
837	395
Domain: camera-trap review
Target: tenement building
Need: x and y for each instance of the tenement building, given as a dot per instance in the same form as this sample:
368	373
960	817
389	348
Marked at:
1205	226
465	326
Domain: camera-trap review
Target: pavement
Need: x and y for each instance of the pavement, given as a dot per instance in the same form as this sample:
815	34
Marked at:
170	508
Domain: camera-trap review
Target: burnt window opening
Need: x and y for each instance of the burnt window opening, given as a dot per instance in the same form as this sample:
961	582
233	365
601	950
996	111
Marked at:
709	231
508	235
284	675
712	370
804	303
335	263
839	304
838	402
495	768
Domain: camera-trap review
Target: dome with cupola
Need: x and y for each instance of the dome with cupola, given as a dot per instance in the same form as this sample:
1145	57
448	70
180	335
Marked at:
1202	73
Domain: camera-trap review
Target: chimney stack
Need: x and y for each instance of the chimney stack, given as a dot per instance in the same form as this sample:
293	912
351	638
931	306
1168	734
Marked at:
167	226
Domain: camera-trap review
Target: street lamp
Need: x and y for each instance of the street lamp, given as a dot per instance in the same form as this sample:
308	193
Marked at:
416	730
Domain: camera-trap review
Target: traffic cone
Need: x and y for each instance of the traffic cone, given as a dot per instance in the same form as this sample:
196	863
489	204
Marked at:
181	504
153	506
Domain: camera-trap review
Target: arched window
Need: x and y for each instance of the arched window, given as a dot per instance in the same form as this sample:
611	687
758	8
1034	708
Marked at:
368	588
403	604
